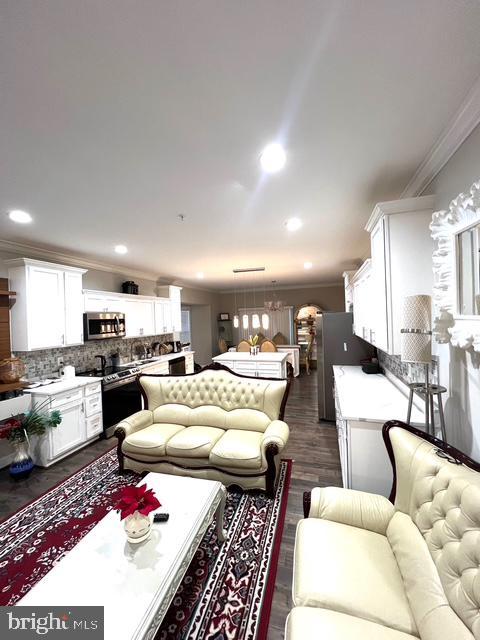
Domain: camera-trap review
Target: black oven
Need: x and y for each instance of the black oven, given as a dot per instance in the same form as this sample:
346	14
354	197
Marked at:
176	366
98	326
121	398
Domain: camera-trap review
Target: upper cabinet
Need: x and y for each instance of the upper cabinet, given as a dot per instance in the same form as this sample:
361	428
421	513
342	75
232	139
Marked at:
103	302
163	316
400	266
48	309
139	317
174	294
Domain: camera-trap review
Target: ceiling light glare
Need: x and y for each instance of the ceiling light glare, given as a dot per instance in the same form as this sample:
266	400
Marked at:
121	249
273	158
200	275
293	224
17	215
307	265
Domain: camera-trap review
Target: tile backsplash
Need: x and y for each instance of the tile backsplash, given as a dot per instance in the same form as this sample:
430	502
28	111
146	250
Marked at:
405	371
44	363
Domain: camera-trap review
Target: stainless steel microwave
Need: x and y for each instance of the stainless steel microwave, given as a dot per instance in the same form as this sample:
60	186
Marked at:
100	326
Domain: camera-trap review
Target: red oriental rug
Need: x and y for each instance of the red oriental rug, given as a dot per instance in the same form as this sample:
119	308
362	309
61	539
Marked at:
227	591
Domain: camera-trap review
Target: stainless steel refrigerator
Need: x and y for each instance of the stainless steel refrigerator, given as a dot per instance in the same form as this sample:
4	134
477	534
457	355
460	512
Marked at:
336	344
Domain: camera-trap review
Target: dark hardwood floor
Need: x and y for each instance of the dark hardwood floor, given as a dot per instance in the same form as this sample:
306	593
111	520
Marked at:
314	449
312	446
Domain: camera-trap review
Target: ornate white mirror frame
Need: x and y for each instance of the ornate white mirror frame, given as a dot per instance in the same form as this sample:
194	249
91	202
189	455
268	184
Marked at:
449	325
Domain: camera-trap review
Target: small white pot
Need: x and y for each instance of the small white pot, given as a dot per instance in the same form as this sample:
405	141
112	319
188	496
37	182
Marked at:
137	527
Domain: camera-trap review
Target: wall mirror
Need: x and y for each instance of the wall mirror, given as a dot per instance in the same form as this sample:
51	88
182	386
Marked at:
468	271
456	269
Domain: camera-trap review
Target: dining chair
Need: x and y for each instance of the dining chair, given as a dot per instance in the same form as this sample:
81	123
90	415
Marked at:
222	345
279	338
243	345
269	346
308	354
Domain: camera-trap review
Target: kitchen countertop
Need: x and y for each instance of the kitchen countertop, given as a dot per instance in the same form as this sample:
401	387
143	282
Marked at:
265	356
81	381
371	397
63	385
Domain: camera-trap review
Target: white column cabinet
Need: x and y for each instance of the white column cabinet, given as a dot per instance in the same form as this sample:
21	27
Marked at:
174	295
163	316
48	309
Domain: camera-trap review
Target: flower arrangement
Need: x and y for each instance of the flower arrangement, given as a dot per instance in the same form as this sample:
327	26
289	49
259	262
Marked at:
32	423
253	341
139	499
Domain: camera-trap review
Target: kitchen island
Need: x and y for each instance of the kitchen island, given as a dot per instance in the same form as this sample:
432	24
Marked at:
263	365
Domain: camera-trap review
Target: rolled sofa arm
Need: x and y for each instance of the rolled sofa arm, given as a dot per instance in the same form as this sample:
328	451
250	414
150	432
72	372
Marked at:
355	508
277	433
133	423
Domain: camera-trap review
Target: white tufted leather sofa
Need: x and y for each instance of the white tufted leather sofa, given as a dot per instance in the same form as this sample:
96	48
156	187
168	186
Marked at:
213	424
367	568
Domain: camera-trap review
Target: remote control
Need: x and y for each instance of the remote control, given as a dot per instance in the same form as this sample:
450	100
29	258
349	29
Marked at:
161	517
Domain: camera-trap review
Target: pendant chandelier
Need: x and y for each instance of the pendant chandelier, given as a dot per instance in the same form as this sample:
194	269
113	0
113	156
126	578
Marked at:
256	321
274	304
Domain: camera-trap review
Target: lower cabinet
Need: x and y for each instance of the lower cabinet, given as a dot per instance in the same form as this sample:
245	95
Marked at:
189	363
81	411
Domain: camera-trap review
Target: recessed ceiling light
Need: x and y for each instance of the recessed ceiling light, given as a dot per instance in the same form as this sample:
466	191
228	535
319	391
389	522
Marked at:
17	215
121	249
273	158
200	275
293	224
307	265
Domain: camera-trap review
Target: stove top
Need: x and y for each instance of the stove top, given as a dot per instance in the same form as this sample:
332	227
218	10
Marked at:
111	373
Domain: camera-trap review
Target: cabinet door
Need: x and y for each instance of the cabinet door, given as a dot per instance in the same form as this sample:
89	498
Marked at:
98	303
163	317
140	318
176	309
379	328
70	432
73	308
45	307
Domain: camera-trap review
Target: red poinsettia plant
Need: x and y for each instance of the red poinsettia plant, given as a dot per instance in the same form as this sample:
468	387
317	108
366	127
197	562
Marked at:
138	499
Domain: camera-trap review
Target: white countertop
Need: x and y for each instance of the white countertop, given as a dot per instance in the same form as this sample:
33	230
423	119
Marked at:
244	356
372	397
67	384
63	385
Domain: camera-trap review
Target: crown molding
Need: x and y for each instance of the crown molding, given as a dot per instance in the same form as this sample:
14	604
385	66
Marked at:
418	203
30	251
456	132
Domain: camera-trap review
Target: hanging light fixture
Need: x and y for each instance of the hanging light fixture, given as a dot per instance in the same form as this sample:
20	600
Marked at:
245	318
236	322
245	321
255	316
274	304
265	320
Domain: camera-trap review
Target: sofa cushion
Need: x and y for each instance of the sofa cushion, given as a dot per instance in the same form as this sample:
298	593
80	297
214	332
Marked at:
309	623
193	442
240	449
352	571
151	441
433	613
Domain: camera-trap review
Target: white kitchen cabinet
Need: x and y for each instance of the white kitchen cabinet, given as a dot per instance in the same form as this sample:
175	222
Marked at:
140	318
174	294
364	402
400	266
48	308
263	365
163	316
363	302
348	285
103	302
82	420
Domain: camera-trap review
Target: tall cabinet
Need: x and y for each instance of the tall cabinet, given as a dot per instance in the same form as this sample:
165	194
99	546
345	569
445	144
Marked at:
400	266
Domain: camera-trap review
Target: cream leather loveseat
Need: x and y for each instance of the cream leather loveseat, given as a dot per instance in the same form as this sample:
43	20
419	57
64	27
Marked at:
369	569
213	424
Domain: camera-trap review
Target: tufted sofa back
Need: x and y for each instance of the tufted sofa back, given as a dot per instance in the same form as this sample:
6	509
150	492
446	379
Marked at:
442	499
216	398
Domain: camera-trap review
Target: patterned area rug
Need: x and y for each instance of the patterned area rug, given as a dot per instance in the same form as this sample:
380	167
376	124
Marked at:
227	591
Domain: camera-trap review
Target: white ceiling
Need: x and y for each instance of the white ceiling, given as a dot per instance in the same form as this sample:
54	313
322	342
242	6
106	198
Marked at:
116	116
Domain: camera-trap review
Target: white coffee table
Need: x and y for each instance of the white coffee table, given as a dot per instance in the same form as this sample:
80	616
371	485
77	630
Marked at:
135	583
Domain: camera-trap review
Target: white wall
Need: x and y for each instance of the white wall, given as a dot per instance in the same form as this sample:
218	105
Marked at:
459	370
